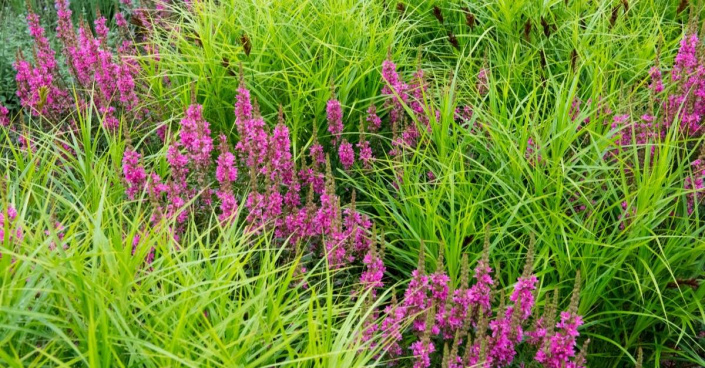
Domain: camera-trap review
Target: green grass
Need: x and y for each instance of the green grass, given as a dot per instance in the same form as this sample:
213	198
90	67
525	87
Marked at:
484	178
215	298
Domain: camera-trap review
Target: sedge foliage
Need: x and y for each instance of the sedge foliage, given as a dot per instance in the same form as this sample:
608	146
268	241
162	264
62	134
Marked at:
81	294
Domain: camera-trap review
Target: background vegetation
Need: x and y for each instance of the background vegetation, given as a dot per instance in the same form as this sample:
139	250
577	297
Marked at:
207	306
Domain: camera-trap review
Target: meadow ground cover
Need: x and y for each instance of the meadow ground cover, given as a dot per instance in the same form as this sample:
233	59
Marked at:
353	183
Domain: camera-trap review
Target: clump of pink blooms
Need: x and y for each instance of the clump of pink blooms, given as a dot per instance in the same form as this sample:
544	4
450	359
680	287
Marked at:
9	230
479	335
4	116
678	103
531	153
261	160
100	74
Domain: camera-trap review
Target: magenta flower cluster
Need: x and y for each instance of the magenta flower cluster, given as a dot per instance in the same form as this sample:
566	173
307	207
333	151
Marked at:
464	317
100	74
8	217
262	164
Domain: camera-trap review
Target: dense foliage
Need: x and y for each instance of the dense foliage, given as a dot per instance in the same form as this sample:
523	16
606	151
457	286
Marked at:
257	183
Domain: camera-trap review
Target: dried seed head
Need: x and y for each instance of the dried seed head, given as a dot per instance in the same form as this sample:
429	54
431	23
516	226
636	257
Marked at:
573	59
469	18
246	44
486	246
516	319
483	346
430	319
502	303
456	342
446	356
549	314
401	8
241	73
529	265
437	13
453	40
527	30
613	17
546	27
422	258
468	348
639	358
439	264
681	6
580	359
280	115
574	299
465	272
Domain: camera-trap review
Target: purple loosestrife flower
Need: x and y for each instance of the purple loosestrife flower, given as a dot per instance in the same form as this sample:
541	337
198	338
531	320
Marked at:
395	89
482	82
4	116
177	192
481	292
101	29
656	79
557	348
133	173
335	249
416	298
422	351
318	157
64	27
502	347
391	327
36	86
282	162
418	91
195	137
365	154
226	171
226	174
687	58
423	348
254	144
346	154
59	231
228	205
686	103
356	227
531	153
7	220
120	21
243	105
523	295
371	278
334	114
257	211
126	85
375	123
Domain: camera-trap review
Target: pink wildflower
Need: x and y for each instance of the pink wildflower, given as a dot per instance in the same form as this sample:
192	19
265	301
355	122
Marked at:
346	154
4	116
375	123
335	119
133	173
365	153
